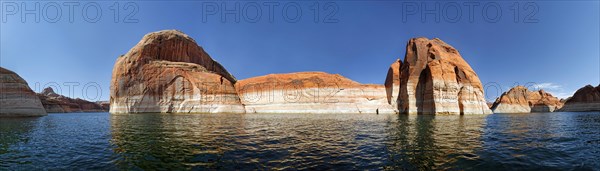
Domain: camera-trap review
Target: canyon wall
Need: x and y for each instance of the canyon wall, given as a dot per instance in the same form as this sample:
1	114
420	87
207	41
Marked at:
311	92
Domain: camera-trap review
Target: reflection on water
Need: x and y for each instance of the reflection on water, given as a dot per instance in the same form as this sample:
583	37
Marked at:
237	141
434	142
301	141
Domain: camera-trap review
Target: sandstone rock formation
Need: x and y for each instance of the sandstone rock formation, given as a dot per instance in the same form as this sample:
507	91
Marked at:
435	79
520	100
311	92
392	82
167	72
585	99
55	103
16	98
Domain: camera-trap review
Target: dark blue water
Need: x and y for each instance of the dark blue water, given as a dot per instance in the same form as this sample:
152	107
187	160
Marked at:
92	141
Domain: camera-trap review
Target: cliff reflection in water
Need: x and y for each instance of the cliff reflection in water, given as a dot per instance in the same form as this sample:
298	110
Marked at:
303	141
434	142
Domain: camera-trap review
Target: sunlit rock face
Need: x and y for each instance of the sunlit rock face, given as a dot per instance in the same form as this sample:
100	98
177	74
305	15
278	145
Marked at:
435	79
311	92
585	99
16	98
56	103
520	100
167	72
392	82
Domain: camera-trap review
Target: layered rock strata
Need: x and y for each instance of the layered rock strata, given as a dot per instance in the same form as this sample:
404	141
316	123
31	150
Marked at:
16	98
311	92
167	72
55	103
586	98
520	100
435	79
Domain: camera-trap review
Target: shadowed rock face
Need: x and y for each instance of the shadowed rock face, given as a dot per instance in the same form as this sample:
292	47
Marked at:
167	72
520	100
392	82
55	103
16	98
311	92
585	99
435	79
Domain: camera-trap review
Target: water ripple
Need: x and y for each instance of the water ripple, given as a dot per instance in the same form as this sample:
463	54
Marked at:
92	141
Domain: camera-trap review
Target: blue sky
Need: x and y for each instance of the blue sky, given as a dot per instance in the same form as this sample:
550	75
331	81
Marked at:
552	44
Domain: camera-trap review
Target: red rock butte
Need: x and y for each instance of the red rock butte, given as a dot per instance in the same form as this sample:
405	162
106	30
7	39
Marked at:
435	79
167	72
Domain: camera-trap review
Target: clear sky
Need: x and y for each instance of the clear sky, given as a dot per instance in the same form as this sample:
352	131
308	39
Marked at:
553	44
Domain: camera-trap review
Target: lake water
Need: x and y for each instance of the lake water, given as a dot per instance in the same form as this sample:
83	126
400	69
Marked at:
85	141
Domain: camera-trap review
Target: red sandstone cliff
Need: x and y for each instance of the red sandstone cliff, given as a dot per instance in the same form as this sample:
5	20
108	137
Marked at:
311	92
435	79
167	72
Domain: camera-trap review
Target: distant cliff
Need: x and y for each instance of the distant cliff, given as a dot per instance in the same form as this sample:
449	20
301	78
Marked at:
520	100
55	103
586	98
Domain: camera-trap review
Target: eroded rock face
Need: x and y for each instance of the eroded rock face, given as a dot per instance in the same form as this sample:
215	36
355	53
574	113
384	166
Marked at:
585	99
392	82
167	72
16	98
435	79
311	92
56	103
520	100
